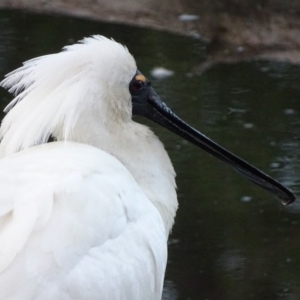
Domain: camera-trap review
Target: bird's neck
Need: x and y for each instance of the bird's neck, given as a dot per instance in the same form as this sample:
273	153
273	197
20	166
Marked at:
142	153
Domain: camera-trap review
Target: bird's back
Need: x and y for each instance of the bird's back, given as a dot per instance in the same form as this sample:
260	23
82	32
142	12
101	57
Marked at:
74	224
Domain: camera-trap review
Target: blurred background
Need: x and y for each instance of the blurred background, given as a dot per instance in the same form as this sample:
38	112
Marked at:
231	69
233	29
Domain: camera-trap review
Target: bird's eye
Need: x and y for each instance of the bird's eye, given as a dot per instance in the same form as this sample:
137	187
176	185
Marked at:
136	85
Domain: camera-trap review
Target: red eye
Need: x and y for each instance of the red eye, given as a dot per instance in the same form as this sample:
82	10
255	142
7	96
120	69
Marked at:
135	86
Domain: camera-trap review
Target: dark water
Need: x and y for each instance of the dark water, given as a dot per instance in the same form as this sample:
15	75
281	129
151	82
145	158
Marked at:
231	239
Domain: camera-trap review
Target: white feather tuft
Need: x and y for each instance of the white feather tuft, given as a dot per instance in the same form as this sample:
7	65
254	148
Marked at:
54	91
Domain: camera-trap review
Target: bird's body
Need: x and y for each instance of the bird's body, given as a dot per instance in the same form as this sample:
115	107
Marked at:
87	217
77	226
77	222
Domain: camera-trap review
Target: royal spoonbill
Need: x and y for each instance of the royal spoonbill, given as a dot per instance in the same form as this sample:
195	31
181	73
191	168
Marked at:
88	215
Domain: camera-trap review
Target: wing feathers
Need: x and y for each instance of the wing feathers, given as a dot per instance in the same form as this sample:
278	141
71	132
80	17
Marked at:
77	229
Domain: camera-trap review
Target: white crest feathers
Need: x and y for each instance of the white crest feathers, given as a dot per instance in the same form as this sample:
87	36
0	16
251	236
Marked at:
53	91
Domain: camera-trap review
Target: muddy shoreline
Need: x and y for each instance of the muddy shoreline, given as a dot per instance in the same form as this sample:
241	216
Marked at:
234	30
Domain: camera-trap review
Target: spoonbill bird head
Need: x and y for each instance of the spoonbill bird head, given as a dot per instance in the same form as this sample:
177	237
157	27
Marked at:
89	91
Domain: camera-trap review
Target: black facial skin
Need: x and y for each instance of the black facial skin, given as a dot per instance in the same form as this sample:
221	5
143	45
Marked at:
145	102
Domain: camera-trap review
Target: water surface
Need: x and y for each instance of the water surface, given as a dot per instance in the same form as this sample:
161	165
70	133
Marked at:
231	239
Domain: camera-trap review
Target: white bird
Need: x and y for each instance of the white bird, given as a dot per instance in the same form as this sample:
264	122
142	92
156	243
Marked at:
88	216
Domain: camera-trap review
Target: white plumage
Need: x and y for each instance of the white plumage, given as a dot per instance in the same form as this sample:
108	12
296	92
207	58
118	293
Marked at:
77	222
88	216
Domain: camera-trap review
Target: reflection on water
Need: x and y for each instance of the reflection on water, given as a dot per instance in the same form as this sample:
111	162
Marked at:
170	292
231	239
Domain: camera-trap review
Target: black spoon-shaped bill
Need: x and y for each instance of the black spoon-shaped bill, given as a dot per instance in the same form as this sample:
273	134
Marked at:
147	103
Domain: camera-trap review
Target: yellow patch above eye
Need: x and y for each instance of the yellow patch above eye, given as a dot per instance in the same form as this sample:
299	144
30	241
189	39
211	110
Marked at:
140	77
